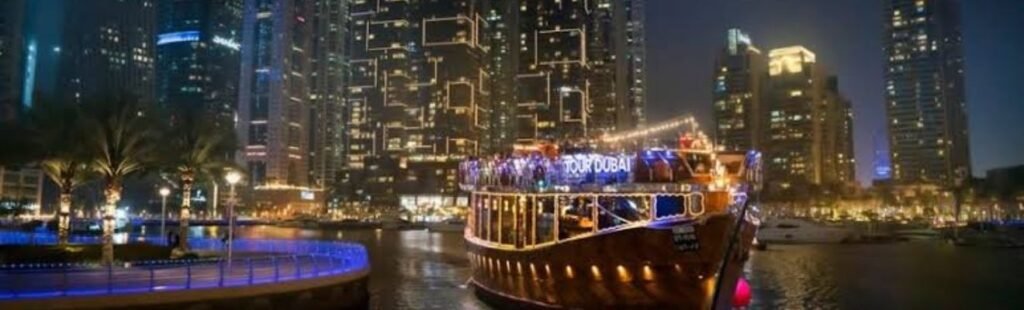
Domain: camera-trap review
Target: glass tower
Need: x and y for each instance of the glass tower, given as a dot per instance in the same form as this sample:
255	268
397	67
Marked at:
198	46
807	125
924	91
109	50
274	106
736	93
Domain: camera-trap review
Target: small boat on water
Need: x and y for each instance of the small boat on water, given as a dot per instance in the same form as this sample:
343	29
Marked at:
400	224
656	229
919	234
453	225
300	223
798	230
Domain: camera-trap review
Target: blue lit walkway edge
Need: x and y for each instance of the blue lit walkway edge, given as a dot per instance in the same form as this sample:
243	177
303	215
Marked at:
284	260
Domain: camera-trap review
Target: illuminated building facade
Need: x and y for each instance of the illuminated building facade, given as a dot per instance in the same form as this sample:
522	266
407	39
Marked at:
807	124
580	71
925	101
21	187
12	47
198	44
433	82
327	89
273	106
418	97
108	50
736	93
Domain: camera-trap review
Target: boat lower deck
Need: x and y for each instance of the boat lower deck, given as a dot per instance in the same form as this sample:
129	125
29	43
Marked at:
639	267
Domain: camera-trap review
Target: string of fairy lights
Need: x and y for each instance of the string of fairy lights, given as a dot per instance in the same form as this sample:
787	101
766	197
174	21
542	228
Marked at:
657	129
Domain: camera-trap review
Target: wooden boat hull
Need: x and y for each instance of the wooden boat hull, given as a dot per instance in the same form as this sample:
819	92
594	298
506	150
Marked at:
635	268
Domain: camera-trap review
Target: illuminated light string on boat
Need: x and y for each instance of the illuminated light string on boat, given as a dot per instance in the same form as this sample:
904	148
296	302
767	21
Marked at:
655	130
622	272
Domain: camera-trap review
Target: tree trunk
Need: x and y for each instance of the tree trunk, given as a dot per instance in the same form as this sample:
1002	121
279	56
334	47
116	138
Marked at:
64	216
113	193
186	212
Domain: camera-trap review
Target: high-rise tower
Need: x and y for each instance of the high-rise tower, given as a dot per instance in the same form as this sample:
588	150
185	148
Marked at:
198	43
109	50
273	105
12	47
924	91
433	82
418	98
807	124
577	74
327	89
736	93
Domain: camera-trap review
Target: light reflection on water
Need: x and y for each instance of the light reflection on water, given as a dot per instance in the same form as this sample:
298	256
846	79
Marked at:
416	269
915	275
412	269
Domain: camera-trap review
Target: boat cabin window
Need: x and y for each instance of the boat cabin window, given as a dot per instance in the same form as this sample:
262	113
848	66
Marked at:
619	211
493	219
576	217
545	219
733	163
507	218
676	205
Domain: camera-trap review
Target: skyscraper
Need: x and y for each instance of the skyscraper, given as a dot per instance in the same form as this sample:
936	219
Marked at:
109	50
631	61
273	105
433	82
572	79
924	91
198	44
327	89
736	93
419	98
807	124
503	19
12	49
19	186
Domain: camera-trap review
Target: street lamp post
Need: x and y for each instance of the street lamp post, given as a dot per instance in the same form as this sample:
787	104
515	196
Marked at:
232	177
163	210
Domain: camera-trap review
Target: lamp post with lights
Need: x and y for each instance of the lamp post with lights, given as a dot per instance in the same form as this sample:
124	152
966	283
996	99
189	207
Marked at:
232	177
164	191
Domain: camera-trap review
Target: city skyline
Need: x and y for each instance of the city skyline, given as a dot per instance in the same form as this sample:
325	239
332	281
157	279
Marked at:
493	154
690	44
683	40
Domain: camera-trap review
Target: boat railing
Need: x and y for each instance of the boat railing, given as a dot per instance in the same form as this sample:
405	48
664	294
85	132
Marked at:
531	220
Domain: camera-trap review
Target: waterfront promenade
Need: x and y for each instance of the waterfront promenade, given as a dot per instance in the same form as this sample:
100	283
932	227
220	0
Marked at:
260	268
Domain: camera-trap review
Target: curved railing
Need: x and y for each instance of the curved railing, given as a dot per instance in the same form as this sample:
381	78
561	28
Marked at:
255	262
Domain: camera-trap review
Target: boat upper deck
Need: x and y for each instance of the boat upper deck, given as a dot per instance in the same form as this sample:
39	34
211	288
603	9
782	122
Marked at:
653	170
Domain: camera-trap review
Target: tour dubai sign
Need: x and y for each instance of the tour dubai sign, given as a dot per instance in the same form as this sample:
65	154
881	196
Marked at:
597	165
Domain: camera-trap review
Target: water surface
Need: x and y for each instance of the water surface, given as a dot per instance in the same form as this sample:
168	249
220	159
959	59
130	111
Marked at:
417	269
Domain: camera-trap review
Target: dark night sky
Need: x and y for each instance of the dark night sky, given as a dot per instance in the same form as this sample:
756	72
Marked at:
684	35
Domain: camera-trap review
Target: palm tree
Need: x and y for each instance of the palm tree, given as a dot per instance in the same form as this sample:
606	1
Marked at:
125	135
57	133
200	144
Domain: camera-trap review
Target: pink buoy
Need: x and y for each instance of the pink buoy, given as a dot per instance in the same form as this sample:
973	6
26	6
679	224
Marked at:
741	297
